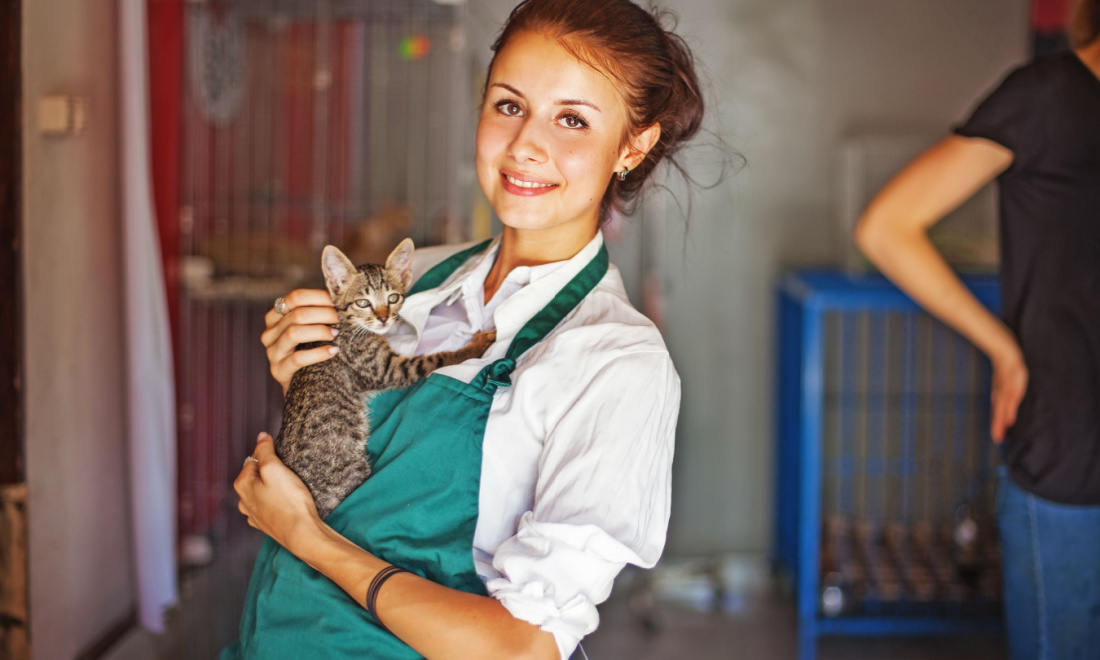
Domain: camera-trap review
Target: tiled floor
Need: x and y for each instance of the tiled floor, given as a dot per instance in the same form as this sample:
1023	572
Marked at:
762	628
757	624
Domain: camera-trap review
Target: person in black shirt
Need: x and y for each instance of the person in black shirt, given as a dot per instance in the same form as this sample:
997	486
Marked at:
1038	133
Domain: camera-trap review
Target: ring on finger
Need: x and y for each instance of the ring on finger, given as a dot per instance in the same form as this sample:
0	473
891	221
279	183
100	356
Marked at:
251	459
281	306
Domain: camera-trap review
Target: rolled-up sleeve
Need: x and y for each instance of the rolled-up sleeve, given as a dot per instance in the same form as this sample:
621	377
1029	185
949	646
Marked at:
602	497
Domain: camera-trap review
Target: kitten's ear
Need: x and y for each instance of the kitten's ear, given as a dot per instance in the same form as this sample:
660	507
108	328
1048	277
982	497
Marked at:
338	270
400	262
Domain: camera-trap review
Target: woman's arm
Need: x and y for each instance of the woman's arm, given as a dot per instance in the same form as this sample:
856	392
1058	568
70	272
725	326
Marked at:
439	622
893	234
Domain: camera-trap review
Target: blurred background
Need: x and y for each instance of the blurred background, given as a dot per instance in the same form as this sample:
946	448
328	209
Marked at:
169	167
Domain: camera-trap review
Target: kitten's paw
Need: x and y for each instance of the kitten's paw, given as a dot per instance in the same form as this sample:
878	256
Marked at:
482	341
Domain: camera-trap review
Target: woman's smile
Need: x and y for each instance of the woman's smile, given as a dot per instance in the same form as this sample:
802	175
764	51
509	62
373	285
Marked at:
525	186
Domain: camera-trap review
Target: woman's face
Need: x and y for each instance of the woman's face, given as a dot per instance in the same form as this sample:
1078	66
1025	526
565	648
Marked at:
549	137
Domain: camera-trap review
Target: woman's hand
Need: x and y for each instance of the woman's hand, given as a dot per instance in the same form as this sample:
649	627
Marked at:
1010	378
273	498
311	313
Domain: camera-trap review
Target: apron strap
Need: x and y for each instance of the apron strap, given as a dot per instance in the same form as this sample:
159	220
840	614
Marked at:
439	273
499	373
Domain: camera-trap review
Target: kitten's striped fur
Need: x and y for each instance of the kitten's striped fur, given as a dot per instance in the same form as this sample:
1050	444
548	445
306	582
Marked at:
325	424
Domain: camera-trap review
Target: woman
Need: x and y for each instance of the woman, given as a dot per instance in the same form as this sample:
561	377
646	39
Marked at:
517	486
1039	134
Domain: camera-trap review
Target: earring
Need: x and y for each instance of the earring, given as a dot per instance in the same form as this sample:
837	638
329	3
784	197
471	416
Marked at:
622	175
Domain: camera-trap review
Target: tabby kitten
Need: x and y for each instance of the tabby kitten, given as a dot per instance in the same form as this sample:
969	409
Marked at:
325	424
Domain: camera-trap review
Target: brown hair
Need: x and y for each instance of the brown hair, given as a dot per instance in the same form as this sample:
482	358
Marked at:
653	67
1084	26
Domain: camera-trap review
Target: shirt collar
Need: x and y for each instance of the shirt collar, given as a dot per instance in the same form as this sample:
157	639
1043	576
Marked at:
545	281
545	284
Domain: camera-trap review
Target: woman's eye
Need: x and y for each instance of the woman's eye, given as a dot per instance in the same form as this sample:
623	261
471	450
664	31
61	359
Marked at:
394	298
362	303
573	121
509	108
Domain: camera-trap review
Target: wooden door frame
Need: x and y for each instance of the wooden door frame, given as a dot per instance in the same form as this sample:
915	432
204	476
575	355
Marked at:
12	412
14	625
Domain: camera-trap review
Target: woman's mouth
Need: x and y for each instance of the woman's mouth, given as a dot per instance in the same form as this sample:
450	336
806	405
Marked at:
525	188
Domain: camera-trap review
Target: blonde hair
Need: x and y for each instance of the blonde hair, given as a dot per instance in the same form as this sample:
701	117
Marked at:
1084	26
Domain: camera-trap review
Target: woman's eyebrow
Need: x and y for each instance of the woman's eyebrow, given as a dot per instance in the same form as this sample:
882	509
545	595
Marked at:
509	88
561	102
579	102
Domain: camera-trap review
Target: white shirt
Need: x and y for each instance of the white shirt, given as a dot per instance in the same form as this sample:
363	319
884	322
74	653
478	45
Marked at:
577	455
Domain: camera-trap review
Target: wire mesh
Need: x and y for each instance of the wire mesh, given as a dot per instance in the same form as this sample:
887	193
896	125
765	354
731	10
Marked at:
304	124
907	466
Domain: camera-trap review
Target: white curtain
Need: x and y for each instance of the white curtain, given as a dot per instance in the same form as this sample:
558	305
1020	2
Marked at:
152	414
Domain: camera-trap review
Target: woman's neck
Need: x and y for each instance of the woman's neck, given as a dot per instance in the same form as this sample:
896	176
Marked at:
1090	55
525	247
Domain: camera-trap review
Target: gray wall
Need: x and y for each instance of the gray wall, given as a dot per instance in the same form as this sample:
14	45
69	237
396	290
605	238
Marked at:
788	79
80	576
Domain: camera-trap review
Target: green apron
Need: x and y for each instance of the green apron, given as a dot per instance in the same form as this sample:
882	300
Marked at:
418	510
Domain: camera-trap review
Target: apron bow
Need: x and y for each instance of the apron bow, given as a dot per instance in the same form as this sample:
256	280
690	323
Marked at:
500	372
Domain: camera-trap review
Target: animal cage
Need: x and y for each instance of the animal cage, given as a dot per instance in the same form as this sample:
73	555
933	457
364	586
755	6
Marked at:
885	470
304	123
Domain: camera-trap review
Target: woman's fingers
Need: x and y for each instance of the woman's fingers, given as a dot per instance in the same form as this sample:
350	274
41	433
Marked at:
997	423
293	335
1009	387
308	298
303	298
300	325
296	317
265	448
286	348
283	370
272	497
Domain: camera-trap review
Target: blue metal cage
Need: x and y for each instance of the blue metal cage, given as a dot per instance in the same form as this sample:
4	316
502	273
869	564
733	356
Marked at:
884	468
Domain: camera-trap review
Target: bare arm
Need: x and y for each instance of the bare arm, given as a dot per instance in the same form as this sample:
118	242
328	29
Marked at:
893	234
439	622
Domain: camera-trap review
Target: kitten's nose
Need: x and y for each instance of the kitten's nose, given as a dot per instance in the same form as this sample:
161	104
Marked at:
382	315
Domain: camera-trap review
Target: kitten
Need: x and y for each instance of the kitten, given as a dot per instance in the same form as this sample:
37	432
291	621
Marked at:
325	425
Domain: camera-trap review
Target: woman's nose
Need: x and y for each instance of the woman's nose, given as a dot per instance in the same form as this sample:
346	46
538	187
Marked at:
529	145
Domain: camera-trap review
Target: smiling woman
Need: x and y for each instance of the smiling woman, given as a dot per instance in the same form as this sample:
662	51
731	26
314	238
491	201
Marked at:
507	491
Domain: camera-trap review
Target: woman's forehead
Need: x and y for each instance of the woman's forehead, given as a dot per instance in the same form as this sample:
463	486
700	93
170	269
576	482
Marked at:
541	68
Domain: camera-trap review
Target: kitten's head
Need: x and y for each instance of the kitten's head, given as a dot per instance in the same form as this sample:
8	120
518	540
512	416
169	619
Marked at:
369	296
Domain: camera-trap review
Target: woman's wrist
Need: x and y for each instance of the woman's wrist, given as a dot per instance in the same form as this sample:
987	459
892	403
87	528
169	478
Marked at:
325	550
308	538
1002	348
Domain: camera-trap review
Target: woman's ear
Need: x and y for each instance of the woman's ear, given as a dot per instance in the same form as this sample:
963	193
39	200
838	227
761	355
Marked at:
635	150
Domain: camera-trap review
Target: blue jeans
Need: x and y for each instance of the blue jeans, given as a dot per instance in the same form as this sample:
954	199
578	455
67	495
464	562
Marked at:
1051	575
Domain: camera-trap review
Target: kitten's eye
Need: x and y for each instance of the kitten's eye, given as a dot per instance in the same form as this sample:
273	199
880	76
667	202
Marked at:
362	303
394	297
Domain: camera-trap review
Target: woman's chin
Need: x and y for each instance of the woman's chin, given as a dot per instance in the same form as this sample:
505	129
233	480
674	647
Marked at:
531	220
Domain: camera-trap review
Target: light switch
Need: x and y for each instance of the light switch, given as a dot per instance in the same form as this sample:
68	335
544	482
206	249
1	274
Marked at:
61	115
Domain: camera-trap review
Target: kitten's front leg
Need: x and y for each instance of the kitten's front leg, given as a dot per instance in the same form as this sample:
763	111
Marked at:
404	371
479	343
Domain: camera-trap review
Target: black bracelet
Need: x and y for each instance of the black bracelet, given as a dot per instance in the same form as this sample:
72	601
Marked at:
376	586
